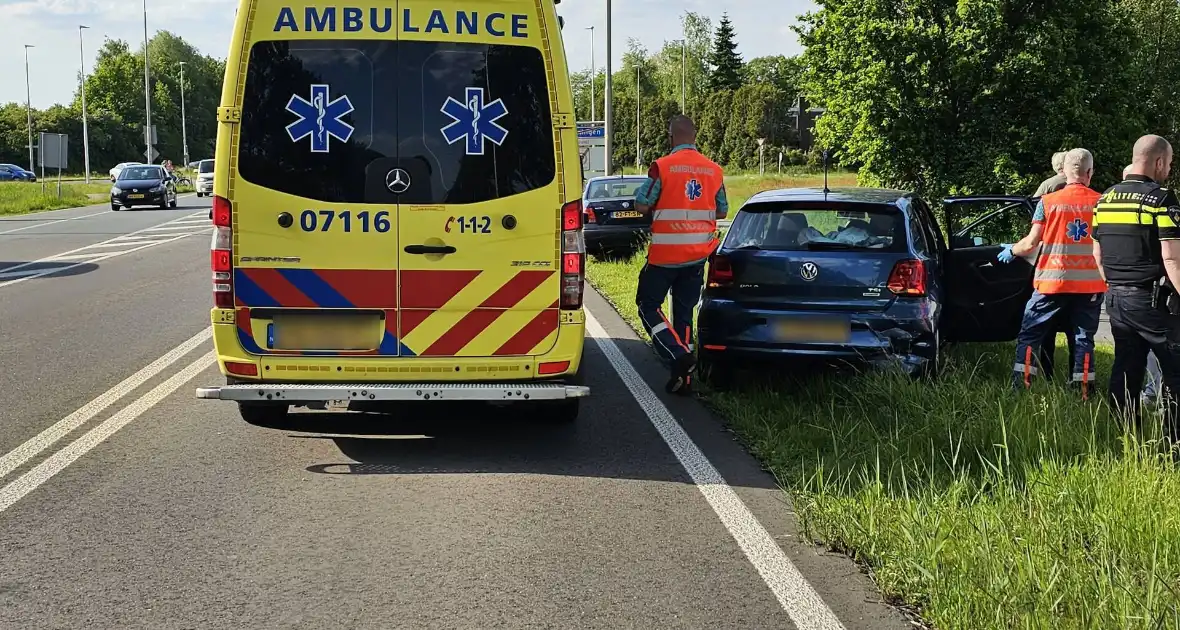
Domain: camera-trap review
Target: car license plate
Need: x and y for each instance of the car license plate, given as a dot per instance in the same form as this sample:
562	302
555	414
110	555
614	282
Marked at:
627	214
813	330
362	331
135	196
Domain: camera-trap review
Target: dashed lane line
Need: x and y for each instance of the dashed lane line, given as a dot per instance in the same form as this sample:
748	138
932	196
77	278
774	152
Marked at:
45	223
94	255
800	601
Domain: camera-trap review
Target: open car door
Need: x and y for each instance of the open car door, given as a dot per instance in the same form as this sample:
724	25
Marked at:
985	298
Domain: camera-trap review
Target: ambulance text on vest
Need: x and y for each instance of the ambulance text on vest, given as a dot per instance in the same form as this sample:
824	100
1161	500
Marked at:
380	20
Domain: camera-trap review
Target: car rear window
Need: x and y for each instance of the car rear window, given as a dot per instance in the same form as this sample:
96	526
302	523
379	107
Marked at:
206	166
799	226
338	121
609	189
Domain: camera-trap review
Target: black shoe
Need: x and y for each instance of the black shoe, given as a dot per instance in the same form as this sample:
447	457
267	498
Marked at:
682	369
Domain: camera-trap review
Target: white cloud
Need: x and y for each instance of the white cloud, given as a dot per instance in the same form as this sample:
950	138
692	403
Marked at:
52	26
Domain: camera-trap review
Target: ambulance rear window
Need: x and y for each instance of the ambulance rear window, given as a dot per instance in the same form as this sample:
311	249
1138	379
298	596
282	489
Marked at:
361	121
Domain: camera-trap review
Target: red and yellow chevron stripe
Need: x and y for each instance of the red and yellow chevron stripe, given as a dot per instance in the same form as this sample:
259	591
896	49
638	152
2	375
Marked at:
438	313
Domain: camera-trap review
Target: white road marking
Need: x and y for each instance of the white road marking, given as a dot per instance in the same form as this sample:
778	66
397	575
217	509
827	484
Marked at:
45	223
133	247
43	440
58	462
805	607
171	227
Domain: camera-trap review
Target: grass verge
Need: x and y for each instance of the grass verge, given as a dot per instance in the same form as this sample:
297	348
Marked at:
975	506
23	197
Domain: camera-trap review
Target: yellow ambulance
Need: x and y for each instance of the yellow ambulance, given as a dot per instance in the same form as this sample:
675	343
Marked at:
396	208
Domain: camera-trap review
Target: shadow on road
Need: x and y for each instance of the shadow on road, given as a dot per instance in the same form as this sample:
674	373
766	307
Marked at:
63	269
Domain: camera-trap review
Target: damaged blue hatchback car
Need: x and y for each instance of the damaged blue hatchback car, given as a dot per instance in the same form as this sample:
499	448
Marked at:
862	275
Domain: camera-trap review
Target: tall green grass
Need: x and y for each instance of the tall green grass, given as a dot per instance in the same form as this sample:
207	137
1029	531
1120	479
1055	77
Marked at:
24	197
974	505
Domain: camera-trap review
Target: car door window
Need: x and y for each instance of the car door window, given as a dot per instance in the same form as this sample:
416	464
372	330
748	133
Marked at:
990	223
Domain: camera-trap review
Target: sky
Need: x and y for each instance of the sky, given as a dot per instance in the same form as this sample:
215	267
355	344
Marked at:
52	27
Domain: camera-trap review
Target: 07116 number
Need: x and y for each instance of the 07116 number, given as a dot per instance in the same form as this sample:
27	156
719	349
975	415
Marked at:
322	221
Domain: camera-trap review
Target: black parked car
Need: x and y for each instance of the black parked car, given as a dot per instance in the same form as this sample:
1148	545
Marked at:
861	274
611	221
143	185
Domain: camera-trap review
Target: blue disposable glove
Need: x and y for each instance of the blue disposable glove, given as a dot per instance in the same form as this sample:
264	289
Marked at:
1006	255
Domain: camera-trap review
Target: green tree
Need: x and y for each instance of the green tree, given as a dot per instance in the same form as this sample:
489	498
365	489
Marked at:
724	61
778	71
712	121
972	96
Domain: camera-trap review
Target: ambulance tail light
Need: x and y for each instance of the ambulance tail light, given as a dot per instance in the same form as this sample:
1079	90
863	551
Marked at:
573	256
221	258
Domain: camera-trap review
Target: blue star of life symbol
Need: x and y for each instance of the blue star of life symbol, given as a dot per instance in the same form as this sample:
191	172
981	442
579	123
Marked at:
692	190
474	121
1077	230
319	118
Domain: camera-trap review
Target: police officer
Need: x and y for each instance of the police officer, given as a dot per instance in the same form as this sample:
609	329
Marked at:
685	194
1137	241
1067	281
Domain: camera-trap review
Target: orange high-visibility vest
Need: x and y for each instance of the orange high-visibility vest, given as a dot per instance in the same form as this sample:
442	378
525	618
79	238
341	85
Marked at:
1066	263
684	218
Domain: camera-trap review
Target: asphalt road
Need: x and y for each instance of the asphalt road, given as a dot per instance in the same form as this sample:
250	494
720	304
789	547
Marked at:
127	503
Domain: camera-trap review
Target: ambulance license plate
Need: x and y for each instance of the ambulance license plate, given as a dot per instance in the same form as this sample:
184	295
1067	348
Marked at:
813	330
627	214
355	332
135	196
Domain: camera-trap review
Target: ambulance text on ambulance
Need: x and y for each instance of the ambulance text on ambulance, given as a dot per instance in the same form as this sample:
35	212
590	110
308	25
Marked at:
380	20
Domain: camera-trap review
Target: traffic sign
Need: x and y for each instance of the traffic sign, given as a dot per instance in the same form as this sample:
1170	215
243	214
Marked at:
151	154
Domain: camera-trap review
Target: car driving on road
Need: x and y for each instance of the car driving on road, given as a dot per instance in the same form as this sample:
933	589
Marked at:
612	222
204	183
143	185
861	274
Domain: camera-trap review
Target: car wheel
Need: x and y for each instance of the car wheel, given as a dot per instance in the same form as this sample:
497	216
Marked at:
718	374
200	194
933	363
265	415
115	207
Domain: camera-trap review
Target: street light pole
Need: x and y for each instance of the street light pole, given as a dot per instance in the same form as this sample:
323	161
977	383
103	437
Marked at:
592	73
682	79
147	95
638	98
29	105
607	106
82	85
183	124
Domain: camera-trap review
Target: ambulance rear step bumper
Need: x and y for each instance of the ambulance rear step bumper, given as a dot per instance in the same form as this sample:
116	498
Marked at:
296	394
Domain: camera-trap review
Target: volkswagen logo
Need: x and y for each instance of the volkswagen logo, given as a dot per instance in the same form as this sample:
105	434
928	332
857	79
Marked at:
397	181
808	271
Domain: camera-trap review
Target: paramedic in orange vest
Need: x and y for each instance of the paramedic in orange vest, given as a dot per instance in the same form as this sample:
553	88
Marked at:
685	194
1067	279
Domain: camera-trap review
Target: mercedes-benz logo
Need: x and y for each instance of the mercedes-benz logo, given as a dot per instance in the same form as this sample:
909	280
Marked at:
808	271
397	181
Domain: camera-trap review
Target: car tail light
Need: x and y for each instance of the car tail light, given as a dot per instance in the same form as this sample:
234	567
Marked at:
590	216
221	258
573	256
720	271
908	278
